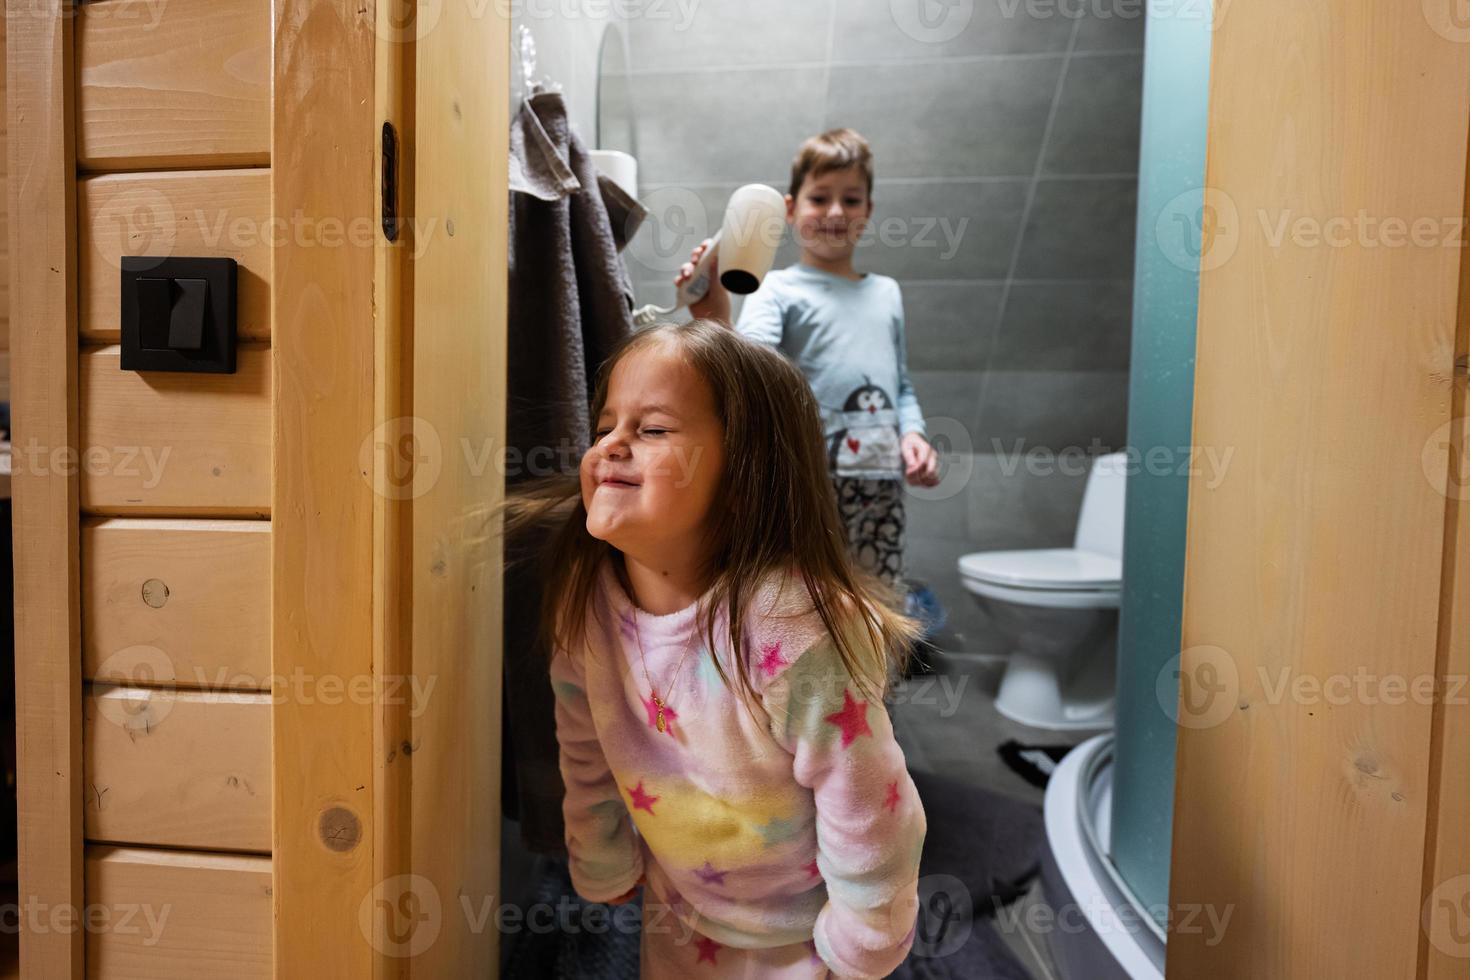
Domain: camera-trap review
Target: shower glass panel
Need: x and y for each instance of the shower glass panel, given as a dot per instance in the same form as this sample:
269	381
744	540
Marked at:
1172	212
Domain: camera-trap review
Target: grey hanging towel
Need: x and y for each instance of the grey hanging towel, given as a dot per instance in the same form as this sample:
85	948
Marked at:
570	303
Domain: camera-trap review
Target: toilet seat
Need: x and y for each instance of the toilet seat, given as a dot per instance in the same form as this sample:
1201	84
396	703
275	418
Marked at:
1060	578
1045	568
1049	598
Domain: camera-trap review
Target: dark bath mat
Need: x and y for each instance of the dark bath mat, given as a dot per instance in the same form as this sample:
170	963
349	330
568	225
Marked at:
953	955
579	946
989	842
1033	763
980	852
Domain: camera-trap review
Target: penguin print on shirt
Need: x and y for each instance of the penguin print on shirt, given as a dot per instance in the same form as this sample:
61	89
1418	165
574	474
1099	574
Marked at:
865	442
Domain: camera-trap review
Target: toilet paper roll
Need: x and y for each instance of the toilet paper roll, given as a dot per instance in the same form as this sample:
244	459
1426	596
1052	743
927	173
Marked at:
619	167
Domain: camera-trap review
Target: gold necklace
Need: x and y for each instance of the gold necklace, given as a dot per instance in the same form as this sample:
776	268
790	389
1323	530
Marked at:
658	702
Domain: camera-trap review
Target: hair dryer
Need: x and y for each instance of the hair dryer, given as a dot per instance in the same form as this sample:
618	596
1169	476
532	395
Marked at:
745	246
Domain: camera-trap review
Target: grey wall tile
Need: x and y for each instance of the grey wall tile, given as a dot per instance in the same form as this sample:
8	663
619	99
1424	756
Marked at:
872	30
719	126
950	326
1053	409
948	119
949	394
1080	229
1117	25
934	560
679	218
1016	505
1096	126
930	230
1066	326
942	517
729	32
654	291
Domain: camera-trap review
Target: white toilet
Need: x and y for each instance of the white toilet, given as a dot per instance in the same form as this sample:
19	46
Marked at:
1058	607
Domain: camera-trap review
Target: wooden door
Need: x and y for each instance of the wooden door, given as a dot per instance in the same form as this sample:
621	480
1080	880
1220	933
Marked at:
1321	803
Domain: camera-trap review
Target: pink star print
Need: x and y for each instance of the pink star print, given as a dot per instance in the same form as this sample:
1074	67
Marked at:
709	875
892	800
852	719
771	659
707	949
669	715
641	800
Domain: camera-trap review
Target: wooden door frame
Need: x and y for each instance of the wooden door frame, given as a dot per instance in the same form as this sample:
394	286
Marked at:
323	327
41	167
379	424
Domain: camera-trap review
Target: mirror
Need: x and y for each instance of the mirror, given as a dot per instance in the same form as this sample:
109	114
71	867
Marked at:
615	122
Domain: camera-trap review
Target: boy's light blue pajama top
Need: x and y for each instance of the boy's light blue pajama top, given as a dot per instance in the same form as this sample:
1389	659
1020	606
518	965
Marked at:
847	336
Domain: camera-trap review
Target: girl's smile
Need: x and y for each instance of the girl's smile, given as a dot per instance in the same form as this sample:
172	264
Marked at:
649	480
616	481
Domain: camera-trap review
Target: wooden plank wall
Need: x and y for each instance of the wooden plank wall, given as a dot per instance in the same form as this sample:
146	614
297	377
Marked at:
173	158
245	504
1308	814
140	729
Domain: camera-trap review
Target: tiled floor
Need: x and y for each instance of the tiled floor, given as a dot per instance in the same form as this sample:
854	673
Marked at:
947	723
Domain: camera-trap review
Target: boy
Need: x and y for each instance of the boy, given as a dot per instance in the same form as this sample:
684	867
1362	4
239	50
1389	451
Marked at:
845	330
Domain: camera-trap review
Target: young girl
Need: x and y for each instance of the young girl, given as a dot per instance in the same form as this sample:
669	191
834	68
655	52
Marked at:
719	665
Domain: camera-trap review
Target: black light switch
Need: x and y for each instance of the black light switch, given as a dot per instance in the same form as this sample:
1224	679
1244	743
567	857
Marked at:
155	308
186	325
178	314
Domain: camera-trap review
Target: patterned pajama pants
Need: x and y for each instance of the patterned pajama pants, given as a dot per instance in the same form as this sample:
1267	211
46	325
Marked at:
873	513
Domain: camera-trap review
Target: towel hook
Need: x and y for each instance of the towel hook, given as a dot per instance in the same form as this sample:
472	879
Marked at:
527	52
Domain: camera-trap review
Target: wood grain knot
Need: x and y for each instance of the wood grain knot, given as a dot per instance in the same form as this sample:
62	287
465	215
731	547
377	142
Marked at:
155	592
339	828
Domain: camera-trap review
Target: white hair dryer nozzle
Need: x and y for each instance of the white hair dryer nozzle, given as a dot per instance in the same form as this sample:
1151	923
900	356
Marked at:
754	222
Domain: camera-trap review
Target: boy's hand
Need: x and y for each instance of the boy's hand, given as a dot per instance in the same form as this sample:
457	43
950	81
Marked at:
716	302
920	461
627	896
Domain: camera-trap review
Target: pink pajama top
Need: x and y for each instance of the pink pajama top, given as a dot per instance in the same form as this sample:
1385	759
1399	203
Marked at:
799	824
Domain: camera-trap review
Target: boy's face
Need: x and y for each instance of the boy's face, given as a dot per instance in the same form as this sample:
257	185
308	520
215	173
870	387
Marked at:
650	478
830	212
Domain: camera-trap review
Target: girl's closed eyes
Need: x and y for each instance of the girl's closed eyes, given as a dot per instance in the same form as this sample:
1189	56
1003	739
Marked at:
648	484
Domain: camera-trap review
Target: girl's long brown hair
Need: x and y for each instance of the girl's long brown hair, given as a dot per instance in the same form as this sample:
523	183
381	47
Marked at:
775	510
